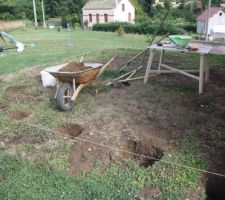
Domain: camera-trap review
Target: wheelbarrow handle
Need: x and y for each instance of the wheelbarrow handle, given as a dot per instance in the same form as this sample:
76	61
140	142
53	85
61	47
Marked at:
105	66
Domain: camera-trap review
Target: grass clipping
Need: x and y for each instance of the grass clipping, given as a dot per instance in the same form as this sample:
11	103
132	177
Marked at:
74	67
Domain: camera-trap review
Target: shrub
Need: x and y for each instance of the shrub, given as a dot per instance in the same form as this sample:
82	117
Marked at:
120	31
147	27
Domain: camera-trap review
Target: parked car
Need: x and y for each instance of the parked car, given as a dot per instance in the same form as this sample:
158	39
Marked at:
50	26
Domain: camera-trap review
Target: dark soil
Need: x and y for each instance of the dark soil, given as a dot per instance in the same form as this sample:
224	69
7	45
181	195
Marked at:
19	115
73	130
16	89
26	137
3	106
215	185
85	155
148	149
2	178
73	67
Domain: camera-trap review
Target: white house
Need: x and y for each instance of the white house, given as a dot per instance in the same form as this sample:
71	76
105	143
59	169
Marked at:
216	21
105	11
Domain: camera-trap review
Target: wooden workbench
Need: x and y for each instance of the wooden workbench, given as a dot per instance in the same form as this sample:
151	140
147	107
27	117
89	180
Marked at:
203	51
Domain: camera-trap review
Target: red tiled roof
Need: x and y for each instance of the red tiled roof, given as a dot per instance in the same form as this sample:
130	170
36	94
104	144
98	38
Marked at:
213	11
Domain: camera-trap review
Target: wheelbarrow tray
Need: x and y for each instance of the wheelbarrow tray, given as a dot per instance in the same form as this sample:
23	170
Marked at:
81	77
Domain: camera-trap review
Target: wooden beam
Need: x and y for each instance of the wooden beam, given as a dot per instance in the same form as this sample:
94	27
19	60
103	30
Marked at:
180	71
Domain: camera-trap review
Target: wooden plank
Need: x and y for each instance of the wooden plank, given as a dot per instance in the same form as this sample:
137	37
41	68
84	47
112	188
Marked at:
165	71
76	93
206	69
181	71
131	79
149	66
160	60
122	76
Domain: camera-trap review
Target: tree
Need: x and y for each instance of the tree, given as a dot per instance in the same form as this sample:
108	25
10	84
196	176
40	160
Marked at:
35	13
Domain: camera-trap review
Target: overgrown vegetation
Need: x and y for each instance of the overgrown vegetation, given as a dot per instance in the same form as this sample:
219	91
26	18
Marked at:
71	10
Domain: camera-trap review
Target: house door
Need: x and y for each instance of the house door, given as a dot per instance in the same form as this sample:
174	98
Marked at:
97	18
129	17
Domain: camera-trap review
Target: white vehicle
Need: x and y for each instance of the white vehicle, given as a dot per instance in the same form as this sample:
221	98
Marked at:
50	26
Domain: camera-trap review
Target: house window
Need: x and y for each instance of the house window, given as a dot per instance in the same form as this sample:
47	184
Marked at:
129	17
90	17
105	18
97	18
123	7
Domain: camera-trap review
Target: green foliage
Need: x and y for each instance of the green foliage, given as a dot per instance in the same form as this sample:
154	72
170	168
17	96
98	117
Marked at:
73	20
147	27
111	73
120	31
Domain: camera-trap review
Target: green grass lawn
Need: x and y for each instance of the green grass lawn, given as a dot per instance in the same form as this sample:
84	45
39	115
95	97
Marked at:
52	47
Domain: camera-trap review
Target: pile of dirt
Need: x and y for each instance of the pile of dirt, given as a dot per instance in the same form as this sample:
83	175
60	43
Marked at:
19	115
73	67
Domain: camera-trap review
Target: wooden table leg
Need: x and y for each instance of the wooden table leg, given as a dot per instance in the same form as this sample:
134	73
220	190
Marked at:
201	73
160	60
206	68
150	60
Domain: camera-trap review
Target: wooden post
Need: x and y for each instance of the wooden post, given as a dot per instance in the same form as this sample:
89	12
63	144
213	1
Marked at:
150	60
206	68
160	60
201	73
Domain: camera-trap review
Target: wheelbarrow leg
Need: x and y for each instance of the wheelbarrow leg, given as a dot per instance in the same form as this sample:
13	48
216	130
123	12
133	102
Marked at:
57	86
74	85
77	91
94	84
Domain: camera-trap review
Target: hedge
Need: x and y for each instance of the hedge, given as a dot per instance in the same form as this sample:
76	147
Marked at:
145	28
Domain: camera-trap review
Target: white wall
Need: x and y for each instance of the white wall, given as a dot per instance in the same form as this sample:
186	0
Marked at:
113	14
122	16
201	27
109	12
215	20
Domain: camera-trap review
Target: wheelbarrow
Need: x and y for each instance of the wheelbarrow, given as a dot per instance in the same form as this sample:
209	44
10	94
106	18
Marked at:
69	84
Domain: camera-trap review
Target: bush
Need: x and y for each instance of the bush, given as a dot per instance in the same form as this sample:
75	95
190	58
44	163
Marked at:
147	27
189	27
120	32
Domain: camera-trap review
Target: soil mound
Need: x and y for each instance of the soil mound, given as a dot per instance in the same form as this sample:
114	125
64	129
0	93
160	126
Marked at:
19	115
73	67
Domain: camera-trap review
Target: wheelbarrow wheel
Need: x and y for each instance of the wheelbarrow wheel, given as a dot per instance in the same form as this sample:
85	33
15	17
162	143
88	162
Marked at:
64	95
